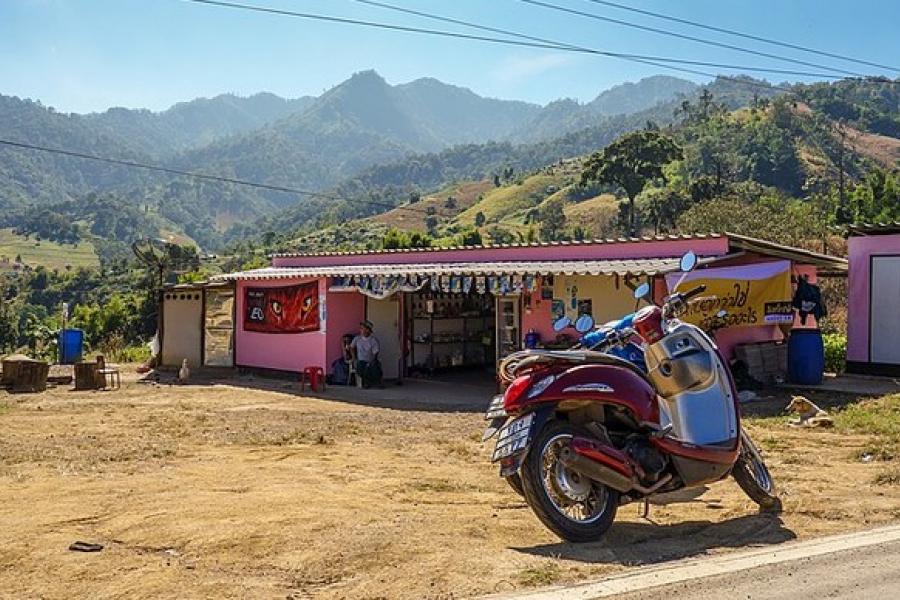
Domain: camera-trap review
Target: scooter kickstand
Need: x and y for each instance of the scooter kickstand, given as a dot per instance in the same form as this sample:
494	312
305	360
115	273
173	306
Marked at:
644	511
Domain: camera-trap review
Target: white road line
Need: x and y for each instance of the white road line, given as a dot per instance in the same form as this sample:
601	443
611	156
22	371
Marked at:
696	568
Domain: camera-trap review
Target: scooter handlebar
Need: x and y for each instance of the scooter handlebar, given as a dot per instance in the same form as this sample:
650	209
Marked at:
693	292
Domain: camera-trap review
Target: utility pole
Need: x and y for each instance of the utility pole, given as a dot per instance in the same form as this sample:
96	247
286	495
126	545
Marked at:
842	216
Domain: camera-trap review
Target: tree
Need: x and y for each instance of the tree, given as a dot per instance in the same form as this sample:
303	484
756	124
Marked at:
783	220
450	203
394	238
468	237
9	328
480	219
500	236
431	224
552	219
630	162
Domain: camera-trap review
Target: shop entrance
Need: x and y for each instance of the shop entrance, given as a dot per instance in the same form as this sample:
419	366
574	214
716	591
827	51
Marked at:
385	316
450	332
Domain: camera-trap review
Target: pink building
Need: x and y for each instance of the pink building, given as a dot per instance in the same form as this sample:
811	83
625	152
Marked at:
873	320
437	309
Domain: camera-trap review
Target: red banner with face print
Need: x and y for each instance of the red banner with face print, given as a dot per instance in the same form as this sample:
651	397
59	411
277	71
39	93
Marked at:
291	309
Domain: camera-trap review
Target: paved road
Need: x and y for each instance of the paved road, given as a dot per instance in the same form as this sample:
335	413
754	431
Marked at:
871	572
858	565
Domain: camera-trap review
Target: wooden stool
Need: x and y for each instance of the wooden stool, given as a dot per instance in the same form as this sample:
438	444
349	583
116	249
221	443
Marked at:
314	376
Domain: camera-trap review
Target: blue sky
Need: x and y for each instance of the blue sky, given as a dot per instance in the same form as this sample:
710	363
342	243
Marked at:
86	55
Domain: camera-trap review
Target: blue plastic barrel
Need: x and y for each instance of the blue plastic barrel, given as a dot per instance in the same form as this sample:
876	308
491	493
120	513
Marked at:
806	356
71	346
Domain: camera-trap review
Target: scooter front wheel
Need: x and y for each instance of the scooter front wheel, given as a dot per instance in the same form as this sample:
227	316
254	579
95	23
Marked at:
753	476
571	505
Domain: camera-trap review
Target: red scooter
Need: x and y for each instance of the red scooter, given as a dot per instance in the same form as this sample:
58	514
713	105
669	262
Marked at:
582	431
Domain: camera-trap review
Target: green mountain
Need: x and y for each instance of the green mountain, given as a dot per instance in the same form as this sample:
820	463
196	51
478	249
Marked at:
781	158
31	177
197	123
568	115
630	97
372	146
457	115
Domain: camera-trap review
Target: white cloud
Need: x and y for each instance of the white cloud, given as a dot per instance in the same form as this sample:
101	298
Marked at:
517	69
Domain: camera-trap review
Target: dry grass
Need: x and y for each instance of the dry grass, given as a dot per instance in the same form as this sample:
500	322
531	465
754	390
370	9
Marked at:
228	491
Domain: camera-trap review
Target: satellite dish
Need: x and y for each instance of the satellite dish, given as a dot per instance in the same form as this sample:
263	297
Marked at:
161	255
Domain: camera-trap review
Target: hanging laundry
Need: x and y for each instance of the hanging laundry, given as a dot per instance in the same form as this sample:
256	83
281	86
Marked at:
808	300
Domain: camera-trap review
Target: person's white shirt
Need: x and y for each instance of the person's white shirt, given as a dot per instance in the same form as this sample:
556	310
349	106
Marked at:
366	347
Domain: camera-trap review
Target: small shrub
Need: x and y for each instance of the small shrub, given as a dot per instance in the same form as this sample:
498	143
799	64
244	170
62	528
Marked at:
538	576
835	352
888	477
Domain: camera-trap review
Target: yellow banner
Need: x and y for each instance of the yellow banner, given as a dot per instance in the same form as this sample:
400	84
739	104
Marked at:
750	295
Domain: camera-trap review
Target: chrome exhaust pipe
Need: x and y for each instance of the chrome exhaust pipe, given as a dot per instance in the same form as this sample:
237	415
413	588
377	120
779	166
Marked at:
596	471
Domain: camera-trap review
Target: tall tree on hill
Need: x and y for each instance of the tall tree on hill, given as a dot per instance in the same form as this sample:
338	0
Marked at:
631	162
552	219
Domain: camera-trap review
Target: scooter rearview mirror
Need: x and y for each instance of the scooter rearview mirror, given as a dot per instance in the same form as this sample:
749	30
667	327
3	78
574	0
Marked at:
642	291
688	261
561	323
584	323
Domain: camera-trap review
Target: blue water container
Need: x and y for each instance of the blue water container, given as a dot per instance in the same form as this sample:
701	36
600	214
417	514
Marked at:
806	356
71	346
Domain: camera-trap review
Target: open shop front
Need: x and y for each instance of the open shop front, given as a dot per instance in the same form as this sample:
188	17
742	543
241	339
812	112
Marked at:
441	311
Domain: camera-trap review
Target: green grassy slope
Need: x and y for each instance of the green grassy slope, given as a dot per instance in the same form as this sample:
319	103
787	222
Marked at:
44	253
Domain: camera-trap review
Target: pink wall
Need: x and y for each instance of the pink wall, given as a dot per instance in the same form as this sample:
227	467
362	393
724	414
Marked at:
860	249
712	246
345	311
538	318
281	351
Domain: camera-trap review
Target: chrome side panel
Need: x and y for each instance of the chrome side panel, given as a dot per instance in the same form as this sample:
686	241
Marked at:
696	398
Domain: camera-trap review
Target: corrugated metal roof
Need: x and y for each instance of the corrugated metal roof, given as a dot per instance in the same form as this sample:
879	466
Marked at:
648	266
621	240
874	228
829	264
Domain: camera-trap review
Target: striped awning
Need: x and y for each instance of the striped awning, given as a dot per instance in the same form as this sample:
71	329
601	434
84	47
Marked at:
648	266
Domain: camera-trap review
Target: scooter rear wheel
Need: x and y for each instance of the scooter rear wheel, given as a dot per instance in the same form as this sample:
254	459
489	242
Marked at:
753	476
574	507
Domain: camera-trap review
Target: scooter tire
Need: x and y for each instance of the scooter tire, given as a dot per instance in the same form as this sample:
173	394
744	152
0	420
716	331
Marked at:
540	502
751	473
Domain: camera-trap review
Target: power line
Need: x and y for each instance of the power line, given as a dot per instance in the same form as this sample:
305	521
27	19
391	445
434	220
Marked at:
683	36
744	35
654	60
206	176
576	48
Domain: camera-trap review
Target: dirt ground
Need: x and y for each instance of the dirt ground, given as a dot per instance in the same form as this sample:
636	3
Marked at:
244	488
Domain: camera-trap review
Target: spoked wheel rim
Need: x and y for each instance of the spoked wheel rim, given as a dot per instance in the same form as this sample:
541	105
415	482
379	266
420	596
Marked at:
755	466
573	495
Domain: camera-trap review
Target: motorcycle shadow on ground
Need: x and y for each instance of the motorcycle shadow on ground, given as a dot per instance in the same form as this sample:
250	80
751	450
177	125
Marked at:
645	542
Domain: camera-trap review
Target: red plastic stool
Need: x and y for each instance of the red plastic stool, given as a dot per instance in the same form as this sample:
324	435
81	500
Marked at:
314	376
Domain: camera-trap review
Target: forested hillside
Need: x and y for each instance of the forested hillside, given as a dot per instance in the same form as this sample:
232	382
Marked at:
769	169
307	143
